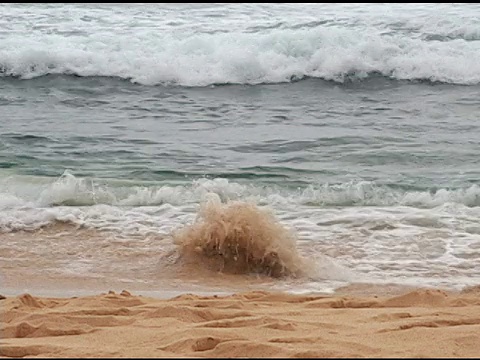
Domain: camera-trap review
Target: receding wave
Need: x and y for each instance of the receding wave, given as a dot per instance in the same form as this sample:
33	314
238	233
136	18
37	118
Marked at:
273	56
240	238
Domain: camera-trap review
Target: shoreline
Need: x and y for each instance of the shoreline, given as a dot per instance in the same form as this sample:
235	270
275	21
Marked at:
95	288
85	287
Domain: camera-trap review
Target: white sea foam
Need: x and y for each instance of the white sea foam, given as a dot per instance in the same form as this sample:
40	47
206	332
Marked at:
171	47
68	190
362	242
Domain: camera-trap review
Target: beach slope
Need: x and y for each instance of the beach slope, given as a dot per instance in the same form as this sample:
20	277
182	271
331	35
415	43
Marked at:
418	323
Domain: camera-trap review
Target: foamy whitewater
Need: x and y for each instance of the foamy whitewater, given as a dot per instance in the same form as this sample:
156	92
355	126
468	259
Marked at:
218	147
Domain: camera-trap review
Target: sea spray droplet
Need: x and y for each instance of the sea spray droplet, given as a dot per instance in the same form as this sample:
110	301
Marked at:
239	237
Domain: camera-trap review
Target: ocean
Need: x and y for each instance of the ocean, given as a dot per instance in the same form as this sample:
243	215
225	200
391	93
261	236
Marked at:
165	148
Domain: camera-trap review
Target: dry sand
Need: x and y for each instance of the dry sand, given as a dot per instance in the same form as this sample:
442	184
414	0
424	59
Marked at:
416	323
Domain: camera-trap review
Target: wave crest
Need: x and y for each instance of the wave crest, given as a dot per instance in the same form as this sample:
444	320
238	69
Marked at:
276	56
69	190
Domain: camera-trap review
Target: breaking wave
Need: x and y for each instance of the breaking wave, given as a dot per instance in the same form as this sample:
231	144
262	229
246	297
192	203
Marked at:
69	190
273	56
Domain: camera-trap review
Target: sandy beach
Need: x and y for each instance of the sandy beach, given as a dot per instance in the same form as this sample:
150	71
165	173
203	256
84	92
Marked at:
413	323
239	180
